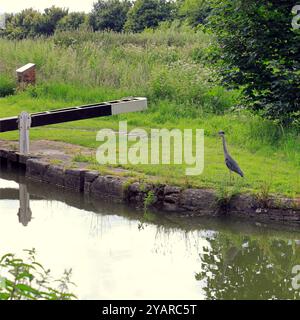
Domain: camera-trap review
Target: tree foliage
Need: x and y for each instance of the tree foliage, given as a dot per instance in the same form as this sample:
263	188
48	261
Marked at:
195	12
259	51
256	50
51	18
32	23
109	15
148	14
27	23
72	21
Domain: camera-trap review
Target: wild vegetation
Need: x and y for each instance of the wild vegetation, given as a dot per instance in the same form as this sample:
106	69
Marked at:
26	279
80	67
218	65
196	70
261	55
256	48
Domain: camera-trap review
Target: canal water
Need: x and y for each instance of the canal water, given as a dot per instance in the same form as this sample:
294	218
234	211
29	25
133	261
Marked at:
117	252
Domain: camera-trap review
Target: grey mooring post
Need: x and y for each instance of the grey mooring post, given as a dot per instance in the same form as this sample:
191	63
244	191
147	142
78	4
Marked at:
24	126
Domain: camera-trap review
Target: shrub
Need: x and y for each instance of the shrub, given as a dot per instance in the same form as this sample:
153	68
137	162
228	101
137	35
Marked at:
72	21
27	279
109	15
195	12
148	14
259	51
7	86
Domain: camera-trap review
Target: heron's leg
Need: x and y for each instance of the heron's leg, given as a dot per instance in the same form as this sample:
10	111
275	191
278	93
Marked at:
229	176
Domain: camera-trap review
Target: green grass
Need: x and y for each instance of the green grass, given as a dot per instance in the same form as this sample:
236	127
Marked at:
264	160
181	95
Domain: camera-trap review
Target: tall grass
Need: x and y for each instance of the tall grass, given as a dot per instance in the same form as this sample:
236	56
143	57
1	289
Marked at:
159	66
81	67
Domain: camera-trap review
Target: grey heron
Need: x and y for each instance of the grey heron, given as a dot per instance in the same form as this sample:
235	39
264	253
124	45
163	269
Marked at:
229	161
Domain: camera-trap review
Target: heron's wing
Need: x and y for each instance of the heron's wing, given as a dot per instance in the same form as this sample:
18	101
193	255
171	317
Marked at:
233	166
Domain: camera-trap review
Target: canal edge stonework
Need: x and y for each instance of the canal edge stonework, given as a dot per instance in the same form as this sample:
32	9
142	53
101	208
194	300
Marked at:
189	202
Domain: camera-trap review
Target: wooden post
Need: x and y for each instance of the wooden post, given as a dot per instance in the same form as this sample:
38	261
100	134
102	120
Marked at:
24	126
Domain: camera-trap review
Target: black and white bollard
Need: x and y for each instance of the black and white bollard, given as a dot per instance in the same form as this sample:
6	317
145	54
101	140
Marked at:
24	127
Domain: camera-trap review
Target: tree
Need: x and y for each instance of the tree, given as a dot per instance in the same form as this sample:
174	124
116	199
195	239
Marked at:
27	23
195	12
51	17
72	21
148	14
109	15
260	52
31	23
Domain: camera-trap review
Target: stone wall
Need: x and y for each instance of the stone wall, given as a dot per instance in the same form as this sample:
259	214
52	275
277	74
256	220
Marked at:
190	202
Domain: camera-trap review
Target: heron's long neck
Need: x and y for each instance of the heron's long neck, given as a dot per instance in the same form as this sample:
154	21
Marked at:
224	146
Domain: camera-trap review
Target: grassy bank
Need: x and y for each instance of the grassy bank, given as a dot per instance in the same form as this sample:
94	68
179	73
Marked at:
166	67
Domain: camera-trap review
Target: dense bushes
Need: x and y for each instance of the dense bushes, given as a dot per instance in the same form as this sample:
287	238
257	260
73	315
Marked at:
109	15
72	21
259	51
106	15
140	64
149	14
32	23
195	12
7	86
256	49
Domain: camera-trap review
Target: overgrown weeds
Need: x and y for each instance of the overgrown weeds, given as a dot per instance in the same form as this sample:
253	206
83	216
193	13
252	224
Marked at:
27	279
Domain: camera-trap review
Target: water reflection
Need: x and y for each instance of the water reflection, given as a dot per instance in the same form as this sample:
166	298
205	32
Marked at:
20	193
249	267
168	258
24	213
